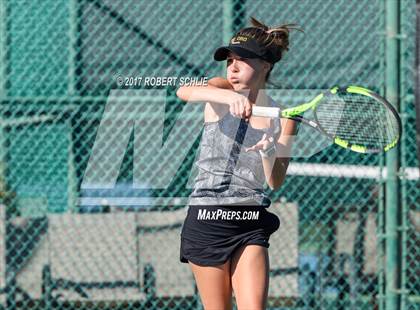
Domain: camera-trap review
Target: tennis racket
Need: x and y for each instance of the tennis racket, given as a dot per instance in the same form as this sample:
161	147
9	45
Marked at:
353	117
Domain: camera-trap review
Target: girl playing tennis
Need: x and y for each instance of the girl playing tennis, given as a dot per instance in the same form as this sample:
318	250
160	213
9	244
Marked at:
225	235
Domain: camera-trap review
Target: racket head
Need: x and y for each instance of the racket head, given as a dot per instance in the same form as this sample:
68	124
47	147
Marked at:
358	119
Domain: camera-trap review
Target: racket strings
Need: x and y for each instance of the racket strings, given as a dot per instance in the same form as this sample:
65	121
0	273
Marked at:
358	119
362	129
369	127
359	128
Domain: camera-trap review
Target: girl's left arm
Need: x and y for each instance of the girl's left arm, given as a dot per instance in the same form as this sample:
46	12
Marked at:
275	167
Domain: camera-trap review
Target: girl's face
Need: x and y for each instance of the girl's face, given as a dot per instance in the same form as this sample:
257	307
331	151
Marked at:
246	73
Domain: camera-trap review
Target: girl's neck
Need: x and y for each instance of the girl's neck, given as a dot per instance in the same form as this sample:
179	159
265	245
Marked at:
259	97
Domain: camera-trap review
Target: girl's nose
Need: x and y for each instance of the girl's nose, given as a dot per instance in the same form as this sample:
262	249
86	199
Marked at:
234	64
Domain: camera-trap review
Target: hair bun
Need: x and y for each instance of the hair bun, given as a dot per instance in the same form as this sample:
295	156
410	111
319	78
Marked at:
276	38
258	24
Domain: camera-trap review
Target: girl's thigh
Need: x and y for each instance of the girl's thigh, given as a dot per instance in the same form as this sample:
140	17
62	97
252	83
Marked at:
250	276
214	285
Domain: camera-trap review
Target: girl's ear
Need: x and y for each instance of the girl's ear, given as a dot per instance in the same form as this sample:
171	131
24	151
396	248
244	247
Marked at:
266	66
269	66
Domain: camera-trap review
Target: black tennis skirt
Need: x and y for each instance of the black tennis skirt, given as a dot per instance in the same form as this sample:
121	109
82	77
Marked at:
210	234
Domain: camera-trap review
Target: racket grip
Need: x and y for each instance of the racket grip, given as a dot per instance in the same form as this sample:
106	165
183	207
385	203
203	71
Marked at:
266	111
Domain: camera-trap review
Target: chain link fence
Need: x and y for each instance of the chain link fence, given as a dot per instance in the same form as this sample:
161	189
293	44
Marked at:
96	165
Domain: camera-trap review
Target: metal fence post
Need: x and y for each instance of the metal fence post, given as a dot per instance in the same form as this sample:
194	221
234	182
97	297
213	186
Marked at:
392	164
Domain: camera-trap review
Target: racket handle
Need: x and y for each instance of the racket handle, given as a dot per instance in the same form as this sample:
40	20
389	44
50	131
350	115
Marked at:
266	111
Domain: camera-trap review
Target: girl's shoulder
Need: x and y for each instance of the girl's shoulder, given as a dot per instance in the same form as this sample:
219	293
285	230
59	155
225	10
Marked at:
277	104
214	112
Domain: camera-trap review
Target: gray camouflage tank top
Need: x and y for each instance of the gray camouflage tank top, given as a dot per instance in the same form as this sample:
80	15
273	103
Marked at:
226	173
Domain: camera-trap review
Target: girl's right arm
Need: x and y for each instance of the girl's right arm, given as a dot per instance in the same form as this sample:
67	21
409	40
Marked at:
239	104
206	94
